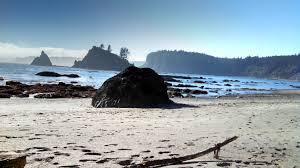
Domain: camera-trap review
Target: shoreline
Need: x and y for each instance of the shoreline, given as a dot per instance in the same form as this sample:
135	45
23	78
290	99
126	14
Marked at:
67	131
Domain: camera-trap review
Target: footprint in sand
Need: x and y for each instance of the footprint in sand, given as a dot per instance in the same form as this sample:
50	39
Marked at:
69	166
30	139
61	154
164	140
47	159
146	151
134	156
189	143
173	154
86	150
111	145
103	161
39	149
87	160
93	154
163	152
109	152
124	149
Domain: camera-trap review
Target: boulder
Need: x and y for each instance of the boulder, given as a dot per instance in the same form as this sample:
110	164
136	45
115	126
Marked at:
12	161
173	94
133	87
42	60
54	74
13	83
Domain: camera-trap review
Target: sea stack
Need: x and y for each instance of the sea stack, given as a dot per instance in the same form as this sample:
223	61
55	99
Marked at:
100	59
42	60
134	87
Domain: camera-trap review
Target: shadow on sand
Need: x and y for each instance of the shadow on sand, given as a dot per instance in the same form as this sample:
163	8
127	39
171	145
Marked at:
173	105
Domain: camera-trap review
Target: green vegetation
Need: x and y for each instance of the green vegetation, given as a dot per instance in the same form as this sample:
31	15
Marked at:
286	67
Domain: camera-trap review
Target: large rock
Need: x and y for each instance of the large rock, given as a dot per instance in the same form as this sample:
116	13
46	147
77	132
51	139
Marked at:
12	161
42	60
134	87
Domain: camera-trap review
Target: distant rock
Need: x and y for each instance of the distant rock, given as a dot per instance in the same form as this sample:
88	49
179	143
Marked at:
199	81
185	85
228	80
98	58
134	87
199	92
54	74
227	84
42	60
294	86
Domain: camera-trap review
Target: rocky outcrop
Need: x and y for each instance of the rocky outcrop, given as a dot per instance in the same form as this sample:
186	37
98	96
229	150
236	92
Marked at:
134	87
98	58
54	74
12	161
60	90
42	60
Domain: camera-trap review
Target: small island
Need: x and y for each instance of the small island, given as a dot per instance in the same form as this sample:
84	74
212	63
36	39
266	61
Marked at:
101	59
42	60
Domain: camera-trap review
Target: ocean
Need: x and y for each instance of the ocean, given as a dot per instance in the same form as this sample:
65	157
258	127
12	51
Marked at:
215	85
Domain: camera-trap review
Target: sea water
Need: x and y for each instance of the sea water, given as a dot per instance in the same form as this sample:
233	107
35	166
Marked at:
215	85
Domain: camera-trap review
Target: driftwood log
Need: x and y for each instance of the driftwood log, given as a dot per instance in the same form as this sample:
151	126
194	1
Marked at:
177	160
12	161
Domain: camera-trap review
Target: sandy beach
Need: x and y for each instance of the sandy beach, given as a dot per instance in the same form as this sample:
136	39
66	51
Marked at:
70	132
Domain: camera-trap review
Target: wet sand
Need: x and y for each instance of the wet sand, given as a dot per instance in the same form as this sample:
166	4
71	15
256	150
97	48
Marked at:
69	132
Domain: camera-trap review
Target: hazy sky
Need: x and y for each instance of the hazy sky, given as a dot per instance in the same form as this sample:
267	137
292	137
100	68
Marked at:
225	28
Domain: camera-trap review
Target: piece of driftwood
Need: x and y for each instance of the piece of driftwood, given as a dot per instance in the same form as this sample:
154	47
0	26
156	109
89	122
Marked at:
12	161
177	160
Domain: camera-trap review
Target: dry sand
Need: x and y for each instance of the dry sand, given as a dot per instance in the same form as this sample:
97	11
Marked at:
62	132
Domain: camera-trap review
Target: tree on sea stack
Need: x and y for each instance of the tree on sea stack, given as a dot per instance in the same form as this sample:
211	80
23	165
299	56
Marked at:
109	48
134	87
102	46
124	52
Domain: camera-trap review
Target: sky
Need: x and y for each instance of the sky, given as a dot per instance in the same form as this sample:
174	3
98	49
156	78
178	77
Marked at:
223	28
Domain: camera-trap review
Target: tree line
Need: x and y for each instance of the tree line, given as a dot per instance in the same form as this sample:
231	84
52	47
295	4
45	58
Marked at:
124	51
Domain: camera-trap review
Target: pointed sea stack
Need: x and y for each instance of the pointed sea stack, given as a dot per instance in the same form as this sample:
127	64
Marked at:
98	58
134	87
42	60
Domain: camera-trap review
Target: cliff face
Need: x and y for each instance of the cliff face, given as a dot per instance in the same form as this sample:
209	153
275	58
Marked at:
101	59
42	60
286	67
